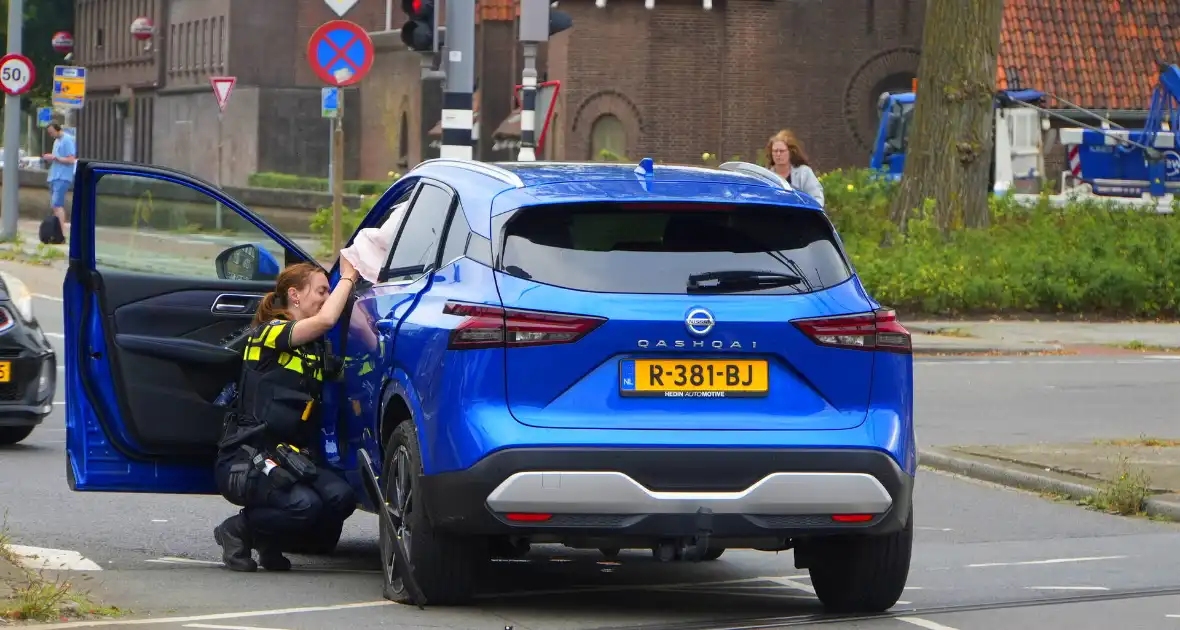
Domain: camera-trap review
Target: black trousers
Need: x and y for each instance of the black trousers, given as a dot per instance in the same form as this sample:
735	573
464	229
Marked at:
304	509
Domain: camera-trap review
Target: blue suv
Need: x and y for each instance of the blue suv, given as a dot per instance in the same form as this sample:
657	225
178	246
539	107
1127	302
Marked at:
604	356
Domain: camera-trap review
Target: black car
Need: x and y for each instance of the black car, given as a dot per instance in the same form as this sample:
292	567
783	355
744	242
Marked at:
28	364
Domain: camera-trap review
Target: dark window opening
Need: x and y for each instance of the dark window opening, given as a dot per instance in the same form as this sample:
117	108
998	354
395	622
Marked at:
647	248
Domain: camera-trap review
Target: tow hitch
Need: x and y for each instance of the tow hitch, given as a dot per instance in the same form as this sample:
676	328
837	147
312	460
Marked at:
691	548
393	525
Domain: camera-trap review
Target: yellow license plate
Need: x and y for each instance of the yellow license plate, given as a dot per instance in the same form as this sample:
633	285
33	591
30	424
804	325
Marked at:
694	378
5	371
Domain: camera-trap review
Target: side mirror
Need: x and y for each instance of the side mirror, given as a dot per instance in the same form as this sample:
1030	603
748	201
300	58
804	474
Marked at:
247	262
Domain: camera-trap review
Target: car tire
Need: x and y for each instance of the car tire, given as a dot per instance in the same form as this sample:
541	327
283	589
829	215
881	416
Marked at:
862	574
446	567
712	553
13	435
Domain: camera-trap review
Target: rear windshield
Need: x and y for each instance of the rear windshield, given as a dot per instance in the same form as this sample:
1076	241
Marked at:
628	248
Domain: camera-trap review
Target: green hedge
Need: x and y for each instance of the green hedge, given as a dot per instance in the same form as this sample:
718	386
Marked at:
298	182
1087	258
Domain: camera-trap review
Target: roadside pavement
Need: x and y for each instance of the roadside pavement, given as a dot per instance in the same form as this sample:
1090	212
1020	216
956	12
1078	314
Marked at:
1065	337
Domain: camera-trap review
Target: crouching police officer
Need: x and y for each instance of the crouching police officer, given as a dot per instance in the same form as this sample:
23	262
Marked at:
264	462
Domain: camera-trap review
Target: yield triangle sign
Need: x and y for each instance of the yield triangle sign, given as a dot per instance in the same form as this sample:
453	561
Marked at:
340	7
222	86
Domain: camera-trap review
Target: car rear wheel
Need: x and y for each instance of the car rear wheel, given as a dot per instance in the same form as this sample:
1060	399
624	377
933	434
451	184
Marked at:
445	567
12	435
862	574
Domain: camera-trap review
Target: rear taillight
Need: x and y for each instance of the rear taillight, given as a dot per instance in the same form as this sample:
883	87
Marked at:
878	330
491	326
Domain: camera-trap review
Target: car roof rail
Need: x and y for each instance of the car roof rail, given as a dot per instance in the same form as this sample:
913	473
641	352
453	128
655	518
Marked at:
491	170
760	172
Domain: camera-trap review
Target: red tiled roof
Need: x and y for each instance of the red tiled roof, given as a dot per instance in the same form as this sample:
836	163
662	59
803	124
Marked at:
1098	54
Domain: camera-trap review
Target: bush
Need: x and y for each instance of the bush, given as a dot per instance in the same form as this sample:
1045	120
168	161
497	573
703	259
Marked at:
320	184
350	220
1084	258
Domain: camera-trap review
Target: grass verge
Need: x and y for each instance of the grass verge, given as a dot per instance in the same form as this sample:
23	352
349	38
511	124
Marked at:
1125	494
31	596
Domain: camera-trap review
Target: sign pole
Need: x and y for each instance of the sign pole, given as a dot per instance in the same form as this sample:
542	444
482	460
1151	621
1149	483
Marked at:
338	173
220	144
458	119
10	204
341	54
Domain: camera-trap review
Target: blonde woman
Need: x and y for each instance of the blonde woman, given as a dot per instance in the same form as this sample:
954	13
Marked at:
788	159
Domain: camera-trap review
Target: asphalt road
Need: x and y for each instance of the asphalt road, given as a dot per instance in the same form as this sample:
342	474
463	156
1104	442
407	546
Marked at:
985	557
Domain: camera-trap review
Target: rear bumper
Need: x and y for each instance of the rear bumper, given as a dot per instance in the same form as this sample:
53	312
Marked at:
24	401
619	492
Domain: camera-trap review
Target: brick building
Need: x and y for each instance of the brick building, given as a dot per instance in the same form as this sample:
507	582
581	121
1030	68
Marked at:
670	79
155	104
678	79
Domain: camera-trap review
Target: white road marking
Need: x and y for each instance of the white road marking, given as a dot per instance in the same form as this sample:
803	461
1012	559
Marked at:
788	582
1052	561
42	296
184	561
159	520
935	529
55	335
40	558
1067	588
924	623
215	627
214	617
1172	616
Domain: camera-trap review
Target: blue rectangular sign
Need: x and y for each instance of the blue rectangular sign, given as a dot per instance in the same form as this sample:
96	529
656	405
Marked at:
329	102
44	116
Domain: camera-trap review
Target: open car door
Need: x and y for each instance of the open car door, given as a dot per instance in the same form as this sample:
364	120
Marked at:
165	275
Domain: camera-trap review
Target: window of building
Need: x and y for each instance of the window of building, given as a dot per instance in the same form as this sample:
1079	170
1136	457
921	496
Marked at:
608	139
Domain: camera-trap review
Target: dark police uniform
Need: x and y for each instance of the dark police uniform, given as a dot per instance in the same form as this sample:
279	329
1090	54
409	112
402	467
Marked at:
279	393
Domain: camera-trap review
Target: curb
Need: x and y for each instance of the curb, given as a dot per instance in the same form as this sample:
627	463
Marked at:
1014	478
923	350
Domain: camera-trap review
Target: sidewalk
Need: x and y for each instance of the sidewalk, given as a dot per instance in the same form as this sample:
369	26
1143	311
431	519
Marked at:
1007	337
1101	472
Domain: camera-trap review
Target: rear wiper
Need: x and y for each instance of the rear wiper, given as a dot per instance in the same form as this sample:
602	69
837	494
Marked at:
739	280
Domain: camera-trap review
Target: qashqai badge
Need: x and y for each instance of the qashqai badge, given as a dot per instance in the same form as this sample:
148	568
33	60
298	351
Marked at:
699	321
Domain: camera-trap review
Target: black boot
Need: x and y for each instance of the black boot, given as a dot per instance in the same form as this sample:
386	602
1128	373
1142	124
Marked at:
233	535
270	554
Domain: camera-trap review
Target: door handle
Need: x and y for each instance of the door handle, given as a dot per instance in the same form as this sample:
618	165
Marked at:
227	303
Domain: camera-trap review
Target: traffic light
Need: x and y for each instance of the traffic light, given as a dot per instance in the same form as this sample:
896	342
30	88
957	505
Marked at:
559	21
418	31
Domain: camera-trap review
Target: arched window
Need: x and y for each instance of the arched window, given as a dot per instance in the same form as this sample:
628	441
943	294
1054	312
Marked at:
403	141
607	134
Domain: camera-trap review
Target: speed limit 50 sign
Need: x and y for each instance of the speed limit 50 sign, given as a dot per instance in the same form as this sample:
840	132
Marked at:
16	74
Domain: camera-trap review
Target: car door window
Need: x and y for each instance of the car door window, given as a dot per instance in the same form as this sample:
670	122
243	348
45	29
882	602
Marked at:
457	234
418	242
163	227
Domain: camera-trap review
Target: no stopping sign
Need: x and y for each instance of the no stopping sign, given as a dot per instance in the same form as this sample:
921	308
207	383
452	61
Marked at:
16	74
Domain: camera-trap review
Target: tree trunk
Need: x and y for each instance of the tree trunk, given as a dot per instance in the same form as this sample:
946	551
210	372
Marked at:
950	146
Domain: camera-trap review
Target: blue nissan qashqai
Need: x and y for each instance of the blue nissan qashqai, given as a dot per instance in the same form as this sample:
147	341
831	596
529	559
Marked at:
604	356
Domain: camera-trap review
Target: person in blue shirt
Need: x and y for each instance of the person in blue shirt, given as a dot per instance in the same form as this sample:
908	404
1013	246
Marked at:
62	163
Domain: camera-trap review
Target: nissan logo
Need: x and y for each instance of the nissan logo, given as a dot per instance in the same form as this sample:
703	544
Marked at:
699	321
